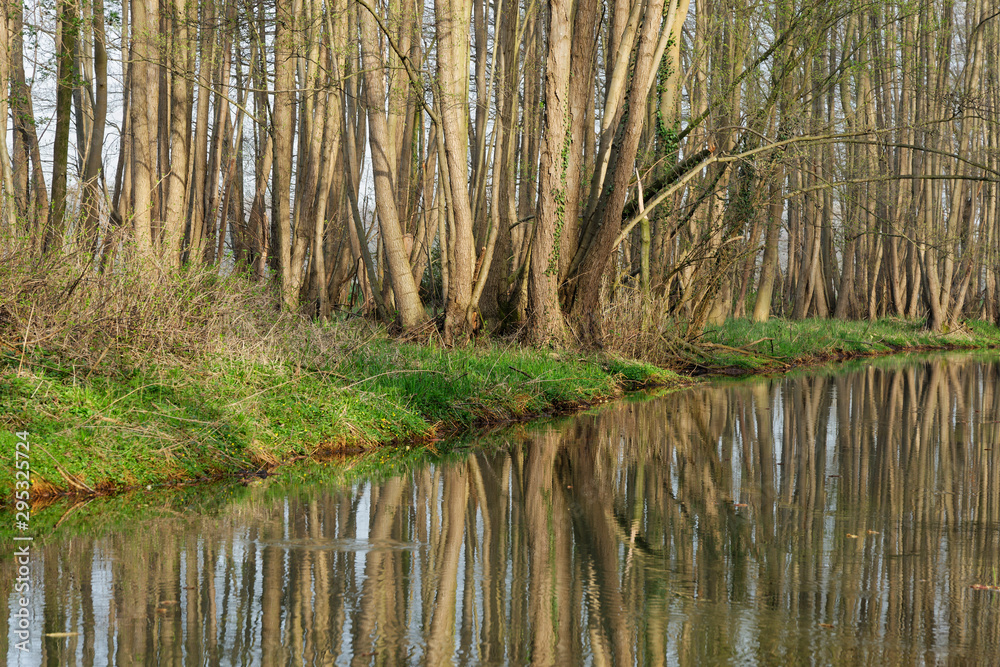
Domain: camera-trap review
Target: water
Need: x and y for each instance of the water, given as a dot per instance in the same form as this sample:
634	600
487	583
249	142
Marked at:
846	516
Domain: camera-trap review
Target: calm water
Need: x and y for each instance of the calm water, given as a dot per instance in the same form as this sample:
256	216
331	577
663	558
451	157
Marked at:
846	517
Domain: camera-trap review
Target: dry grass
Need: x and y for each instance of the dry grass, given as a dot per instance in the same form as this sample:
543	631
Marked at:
63	309
636	328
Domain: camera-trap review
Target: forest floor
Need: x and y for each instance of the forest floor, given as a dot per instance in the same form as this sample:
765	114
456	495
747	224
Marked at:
176	420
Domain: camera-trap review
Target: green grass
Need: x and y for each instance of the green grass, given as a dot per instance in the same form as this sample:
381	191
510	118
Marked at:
777	343
161	423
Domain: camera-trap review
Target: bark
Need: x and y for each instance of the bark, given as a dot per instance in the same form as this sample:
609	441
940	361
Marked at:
495	300
199	149
453	55
144	84
410	309
583	61
8	191
65	84
284	101
528	150
545	323
221	137
180	136
602	227
92	169
313	122
264	154
35	201
769	261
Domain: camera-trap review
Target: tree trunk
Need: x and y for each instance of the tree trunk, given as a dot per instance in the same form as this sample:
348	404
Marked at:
199	149
8	192
545	322
180	136
600	229
410	309
453	57
68	28
92	169
284	101
144	85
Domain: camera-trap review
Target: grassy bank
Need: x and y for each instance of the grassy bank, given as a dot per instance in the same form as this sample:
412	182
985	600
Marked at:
123	379
223	415
743	346
164	419
124	382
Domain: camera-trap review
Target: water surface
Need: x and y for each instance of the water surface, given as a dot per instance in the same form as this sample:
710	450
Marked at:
847	516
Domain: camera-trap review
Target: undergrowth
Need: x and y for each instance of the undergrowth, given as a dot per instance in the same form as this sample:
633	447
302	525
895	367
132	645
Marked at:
762	345
162	423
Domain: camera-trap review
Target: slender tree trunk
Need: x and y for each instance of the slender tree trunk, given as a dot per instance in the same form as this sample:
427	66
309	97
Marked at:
8	191
180	136
453	55
37	200
92	169
603	226
144	85
199	149
284	102
222	129
410	309
65	84
583	61
769	261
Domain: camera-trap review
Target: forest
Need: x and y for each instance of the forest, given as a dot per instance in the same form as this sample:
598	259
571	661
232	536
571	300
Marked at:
557	169
276	272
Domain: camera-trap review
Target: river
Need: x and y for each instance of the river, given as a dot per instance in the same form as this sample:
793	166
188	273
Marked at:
847	515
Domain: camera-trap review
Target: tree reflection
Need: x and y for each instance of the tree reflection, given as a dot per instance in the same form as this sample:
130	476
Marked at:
832	518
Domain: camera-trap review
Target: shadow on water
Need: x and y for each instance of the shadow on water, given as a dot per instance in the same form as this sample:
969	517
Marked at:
848	516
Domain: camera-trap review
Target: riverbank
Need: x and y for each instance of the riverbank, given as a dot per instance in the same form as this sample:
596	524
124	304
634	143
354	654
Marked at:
743	347
162	423
171	419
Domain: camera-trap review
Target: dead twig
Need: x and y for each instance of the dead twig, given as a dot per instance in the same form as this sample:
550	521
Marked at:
518	370
70	478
